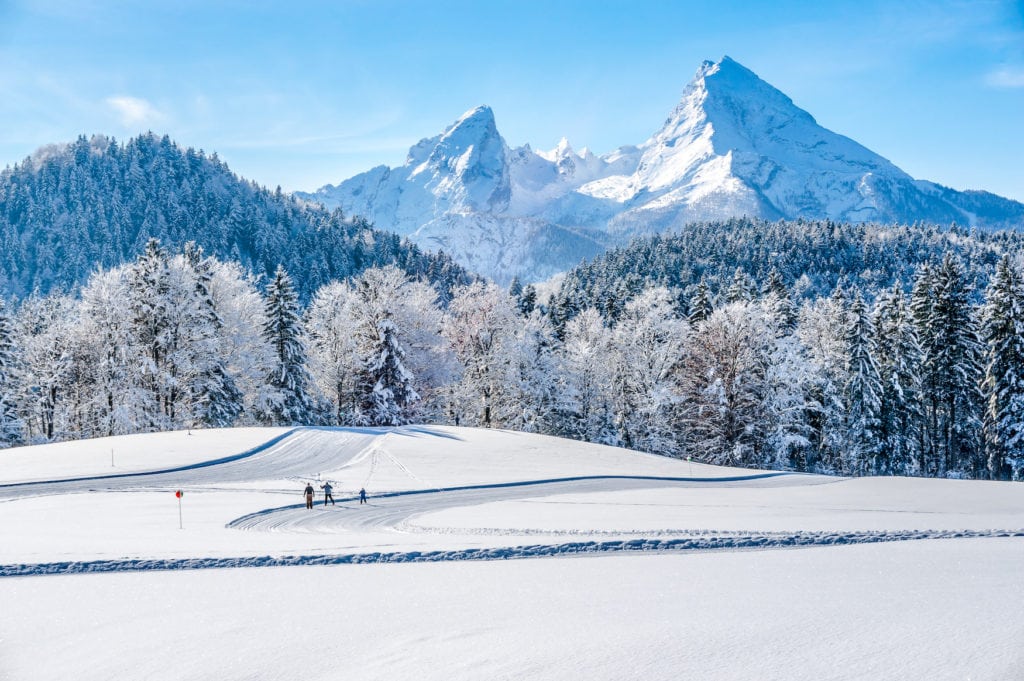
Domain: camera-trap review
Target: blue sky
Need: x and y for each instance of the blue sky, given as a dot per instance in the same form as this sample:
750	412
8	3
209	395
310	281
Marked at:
300	94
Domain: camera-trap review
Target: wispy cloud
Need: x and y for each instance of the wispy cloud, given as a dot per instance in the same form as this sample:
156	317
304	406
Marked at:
134	111
1006	77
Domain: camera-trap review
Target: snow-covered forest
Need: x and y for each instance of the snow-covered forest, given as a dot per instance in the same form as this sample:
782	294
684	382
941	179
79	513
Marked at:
71	208
921	379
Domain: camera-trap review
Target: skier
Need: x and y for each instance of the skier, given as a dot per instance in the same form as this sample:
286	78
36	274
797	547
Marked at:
326	487
362	495
309	495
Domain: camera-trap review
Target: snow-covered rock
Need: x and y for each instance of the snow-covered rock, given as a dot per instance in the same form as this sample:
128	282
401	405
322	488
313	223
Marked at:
733	146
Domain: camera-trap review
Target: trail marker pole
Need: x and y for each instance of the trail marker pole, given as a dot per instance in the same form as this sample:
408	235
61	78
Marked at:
179	494
111	457
690	464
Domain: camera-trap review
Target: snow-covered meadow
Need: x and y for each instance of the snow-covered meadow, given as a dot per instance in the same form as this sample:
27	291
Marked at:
491	554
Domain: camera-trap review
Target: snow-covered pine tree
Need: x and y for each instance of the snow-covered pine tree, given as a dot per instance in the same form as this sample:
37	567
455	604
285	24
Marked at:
527	301
285	399
156	336
11	427
742	288
215	399
958	357
899	360
922	310
862	393
529	393
515	289
778	304
390	395
1003	319
700	305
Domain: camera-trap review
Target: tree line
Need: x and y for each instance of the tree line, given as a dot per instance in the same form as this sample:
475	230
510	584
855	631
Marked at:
917	380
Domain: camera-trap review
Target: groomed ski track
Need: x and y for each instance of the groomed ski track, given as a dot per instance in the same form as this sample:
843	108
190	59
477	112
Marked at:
300	453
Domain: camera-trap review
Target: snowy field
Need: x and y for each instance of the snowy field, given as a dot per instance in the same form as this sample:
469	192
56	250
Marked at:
491	555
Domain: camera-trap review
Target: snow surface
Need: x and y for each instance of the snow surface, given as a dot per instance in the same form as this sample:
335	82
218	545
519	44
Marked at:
641	566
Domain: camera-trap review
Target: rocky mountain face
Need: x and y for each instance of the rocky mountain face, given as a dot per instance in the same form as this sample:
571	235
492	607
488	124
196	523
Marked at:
733	146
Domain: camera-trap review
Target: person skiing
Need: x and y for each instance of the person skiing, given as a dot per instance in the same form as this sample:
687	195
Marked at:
362	495
326	487
309	495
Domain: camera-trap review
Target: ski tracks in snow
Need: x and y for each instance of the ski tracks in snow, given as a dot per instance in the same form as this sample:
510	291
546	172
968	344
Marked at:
303	453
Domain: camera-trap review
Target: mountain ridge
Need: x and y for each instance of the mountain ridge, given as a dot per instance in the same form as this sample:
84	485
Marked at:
734	146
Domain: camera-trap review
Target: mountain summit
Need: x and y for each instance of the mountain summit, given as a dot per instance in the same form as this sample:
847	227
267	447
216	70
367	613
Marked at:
733	146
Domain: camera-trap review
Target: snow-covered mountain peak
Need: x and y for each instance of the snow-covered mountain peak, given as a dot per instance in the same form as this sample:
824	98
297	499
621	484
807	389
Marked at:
734	145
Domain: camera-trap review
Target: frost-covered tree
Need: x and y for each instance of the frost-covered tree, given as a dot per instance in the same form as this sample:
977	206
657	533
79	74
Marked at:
390	396
723	383
777	303
1003	329
700	305
648	340
479	326
957	371
157	337
343	323
821	331
899	361
107	345
11	427
285	399
742	288
214	398
45	334
584	372
862	393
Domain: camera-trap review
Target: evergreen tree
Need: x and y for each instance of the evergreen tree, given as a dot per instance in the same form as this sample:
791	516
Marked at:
391	394
958	361
922	310
215	398
515	289
899	359
1004	373
287	401
778	304
862	392
11	427
527	301
742	288
156	337
700	304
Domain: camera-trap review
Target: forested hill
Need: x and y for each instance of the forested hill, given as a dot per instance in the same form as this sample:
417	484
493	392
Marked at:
70	209
812	257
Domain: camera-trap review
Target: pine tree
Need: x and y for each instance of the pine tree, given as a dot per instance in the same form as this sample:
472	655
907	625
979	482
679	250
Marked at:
11	427
922	310
958	362
391	395
527	301
742	288
700	304
1004	373
156	337
899	359
778	303
288	402
215	398
862	392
